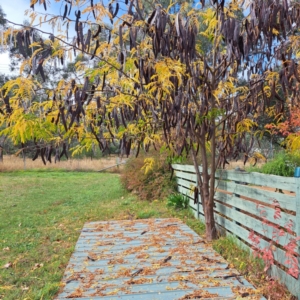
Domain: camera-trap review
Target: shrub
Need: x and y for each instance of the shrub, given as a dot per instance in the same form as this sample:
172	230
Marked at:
178	201
156	183
283	164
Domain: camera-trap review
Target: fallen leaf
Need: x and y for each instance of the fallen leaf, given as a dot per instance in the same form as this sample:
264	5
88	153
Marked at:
6	249
199	294
6	287
139	281
37	266
76	294
8	265
25	288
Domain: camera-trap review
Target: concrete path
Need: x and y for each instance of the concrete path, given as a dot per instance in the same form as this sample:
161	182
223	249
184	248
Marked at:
155	259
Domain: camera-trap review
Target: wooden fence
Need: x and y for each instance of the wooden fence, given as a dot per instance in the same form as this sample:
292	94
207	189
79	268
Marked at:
244	204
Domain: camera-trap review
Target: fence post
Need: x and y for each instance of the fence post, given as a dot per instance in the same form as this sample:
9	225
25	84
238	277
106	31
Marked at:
237	195
198	212
297	225
297	183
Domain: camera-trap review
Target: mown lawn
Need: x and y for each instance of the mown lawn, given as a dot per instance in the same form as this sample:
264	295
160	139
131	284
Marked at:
41	215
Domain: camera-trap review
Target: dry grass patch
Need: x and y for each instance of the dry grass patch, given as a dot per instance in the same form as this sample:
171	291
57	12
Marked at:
14	163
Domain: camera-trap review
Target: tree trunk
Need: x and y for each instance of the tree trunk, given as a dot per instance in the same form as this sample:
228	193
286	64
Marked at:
1	154
207	199
199	179
24	159
210	225
2	141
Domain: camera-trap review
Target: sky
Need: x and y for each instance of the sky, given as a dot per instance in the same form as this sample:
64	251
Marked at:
15	12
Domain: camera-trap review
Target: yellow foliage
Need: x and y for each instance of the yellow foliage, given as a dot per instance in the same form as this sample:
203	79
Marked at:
224	88
257	156
246	125
23	65
164	69
21	87
86	144
148	164
24	127
295	45
209	19
100	10
293	142
185	7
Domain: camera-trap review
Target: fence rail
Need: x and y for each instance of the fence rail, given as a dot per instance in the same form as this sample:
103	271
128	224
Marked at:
245	203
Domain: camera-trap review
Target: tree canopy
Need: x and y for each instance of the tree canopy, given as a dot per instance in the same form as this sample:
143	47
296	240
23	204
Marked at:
167	77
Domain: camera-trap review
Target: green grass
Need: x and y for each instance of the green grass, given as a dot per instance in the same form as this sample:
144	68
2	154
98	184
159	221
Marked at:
283	164
241	258
41	215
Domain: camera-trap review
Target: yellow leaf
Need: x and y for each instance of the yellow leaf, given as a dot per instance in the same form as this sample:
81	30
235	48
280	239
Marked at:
6	287
148	164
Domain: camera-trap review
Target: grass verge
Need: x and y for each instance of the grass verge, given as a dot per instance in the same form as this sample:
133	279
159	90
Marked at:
251	267
41	215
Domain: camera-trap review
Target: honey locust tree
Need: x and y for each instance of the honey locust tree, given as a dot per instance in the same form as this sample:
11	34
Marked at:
151	82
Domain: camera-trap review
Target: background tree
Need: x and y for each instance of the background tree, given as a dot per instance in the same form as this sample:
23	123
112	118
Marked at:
2	17
2	26
3	79
287	126
151	82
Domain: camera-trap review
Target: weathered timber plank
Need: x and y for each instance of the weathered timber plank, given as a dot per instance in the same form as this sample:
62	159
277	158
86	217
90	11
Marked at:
199	216
291	283
285	201
188	176
279	255
252	223
297	183
285	183
185	168
186	192
186	183
243	233
262	211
